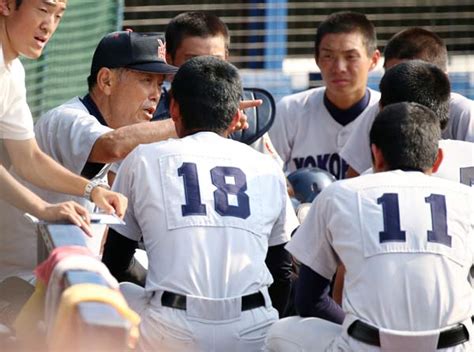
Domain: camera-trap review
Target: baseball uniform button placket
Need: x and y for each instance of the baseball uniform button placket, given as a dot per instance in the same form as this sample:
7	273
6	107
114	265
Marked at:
370	335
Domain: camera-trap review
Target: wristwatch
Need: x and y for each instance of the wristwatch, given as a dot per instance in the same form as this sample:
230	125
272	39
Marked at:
96	182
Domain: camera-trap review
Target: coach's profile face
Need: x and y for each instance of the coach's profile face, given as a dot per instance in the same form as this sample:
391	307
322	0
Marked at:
30	26
132	95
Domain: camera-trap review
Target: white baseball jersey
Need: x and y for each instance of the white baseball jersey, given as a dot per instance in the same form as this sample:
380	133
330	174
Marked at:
208	208
196	197
458	161
67	134
461	119
16	121
407	242
264	145
356	151
306	135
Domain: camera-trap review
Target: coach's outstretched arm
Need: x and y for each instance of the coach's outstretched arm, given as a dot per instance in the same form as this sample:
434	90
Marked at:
117	144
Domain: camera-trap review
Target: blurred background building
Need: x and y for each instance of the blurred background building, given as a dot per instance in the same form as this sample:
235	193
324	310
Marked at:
271	40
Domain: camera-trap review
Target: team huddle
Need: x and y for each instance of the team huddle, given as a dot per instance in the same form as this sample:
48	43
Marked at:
379	261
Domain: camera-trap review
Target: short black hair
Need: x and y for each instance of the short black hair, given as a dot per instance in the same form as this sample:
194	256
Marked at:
420	82
407	134
194	24
92	80
417	43
208	92
347	22
19	2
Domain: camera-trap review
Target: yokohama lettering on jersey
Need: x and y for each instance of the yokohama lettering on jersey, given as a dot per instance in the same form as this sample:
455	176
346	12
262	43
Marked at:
306	135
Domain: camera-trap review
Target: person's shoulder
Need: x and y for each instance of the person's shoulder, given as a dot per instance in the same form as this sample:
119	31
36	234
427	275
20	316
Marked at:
339	189
450	185
71	109
451	146
459	104
13	76
17	69
374	180
456	155
240	152
374	96
412	179
73	105
164	148
369	114
303	97
458	99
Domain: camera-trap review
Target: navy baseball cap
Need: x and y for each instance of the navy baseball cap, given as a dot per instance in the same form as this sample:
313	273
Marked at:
137	51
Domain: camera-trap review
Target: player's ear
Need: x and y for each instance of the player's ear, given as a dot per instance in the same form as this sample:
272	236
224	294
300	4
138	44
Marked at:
5	7
175	113
378	161
104	80
439	160
375	59
169	58
235	120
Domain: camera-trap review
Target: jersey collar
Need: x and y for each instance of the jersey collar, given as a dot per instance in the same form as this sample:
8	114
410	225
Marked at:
93	109
344	117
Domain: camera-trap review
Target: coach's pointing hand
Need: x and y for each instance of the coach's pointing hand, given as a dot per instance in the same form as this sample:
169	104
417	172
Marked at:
244	104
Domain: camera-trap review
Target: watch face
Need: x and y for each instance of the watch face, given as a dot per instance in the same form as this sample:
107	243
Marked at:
93	184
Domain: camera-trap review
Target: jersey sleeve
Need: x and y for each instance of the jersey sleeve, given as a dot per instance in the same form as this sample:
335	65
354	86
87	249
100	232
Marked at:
287	222
115	166
126	183
16	121
68	135
264	145
311	244
281	132
356	151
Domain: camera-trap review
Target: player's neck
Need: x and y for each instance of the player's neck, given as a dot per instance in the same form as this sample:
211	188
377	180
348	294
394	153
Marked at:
197	130
344	101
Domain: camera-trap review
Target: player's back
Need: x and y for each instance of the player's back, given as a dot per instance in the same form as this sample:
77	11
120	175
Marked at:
460	128
461	119
458	161
409	253
208	207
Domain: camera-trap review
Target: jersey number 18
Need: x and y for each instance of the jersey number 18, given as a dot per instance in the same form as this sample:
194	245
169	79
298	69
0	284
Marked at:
218	175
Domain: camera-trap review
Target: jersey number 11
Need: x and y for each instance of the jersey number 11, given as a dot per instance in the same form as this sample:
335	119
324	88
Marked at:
391	219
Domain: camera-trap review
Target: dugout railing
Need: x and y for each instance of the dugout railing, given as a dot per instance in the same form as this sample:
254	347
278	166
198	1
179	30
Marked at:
101	327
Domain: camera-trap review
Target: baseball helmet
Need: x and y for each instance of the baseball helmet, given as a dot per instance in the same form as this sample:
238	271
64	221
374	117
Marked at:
308	182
